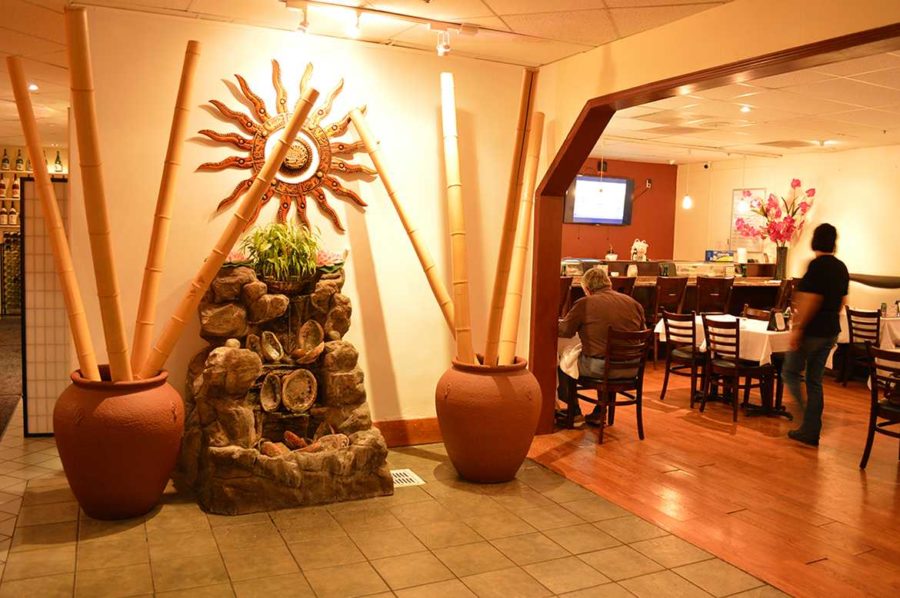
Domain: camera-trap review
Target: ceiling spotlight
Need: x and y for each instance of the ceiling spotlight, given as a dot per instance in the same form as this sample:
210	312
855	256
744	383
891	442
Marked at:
687	202
303	26
33	87
354	30
443	43
745	109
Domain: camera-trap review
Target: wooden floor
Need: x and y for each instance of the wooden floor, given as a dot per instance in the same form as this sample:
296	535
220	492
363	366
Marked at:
803	519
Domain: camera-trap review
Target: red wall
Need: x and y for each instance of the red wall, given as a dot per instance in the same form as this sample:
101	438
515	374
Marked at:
652	216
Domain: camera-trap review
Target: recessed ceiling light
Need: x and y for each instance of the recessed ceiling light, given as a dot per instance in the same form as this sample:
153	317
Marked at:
828	142
745	109
33	87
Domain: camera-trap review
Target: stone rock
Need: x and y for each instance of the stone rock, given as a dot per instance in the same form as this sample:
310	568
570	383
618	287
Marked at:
330	442
293	441
321	297
230	372
343	388
253	291
268	307
337	323
273	449
237	425
228	320
340	356
228	284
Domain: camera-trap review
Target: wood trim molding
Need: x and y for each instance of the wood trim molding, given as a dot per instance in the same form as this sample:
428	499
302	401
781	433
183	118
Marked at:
874	280
409	432
583	136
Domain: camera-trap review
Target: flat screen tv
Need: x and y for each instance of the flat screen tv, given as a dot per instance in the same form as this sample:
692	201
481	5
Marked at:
599	200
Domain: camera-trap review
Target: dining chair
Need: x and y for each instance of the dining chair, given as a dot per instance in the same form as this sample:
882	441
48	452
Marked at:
626	356
765	315
884	366
565	295
623	284
864	327
785	293
683	358
723	361
713	294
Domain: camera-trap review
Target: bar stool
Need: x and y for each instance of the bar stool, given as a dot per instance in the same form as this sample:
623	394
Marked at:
623	284
668	296
864	327
565	295
713	294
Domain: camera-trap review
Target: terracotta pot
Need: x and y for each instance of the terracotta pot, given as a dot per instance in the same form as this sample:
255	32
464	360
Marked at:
488	416
118	442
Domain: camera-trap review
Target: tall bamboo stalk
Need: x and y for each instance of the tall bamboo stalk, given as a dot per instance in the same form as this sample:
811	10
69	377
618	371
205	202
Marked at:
462	318
59	245
509	327
239	222
510	216
159	237
82	87
373	147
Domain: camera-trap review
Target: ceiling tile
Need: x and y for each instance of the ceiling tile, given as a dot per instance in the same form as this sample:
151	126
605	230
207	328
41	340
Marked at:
849	91
888	78
34	20
443	10
583	27
792	102
637	3
803	77
629	21
12	42
518	7
866	64
727	92
273	14
879	119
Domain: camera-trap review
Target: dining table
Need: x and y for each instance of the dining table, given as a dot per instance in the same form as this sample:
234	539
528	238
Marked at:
890	335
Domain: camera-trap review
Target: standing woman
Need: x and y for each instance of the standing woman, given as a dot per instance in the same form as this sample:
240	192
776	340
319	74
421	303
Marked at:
822	294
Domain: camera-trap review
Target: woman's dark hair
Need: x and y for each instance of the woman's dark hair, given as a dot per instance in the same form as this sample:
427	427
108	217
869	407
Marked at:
824	238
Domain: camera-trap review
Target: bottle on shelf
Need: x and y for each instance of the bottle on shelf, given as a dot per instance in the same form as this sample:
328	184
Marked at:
15	186
20	163
28	164
4	218
12	215
4	162
57	165
2	186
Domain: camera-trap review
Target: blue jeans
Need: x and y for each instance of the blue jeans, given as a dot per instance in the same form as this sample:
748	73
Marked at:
811	357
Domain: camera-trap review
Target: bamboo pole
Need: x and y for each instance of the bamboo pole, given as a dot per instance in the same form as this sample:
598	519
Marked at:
159	237
510	217
59	245
509	327
239	222
462	318
82	86
373	147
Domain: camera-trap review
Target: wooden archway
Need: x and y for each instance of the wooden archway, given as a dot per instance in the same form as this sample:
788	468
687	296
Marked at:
584	135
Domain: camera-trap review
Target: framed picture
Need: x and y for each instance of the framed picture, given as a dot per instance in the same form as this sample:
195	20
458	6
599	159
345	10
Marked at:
740	208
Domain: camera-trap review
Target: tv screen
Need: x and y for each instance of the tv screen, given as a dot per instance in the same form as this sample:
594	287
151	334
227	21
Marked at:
599	200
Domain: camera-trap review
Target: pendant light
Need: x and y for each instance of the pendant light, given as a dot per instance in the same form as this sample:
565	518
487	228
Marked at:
687	202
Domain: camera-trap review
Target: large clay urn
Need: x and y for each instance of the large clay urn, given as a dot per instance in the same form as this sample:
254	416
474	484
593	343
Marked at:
118	442
488	416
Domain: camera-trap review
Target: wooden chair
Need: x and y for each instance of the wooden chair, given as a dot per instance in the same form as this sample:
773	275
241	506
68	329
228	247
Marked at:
785	293
864	327
623	284
713	294
752	313
682	356
764	315
723	361
626	356
565	295
883	412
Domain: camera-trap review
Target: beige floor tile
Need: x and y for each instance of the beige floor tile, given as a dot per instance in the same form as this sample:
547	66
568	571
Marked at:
173	518
581	538
529	548
44	514
471	559
113	551
189	572
718	577
452	588
565	491
670	551
630	529
620	562
229	520
47	496
411	570
245	537
363	520
386	543
540	478
345	581
327	552
182	544
97	529
133	580
550	517
402	496
219	590
52	586
609	590
663	583
566	574
505	583
422	512
467	505
499	525
11	506
762	592
523	498
37	537
595	509
445	533
262	561
303	518
39	563
294	585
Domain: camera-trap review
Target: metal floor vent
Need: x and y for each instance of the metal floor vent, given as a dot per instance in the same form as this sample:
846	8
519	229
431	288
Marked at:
406	477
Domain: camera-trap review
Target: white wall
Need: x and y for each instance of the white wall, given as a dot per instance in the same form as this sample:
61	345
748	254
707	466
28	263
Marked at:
397	326
856	191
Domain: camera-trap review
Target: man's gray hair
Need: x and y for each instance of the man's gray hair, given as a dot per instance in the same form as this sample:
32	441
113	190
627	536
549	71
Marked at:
595	280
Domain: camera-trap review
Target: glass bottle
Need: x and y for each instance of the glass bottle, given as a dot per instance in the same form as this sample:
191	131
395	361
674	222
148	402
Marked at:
57	165
20	163
2	186
4	162
4	219
12	216
15	186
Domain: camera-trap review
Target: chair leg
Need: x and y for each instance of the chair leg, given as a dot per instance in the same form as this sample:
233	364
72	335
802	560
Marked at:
602	418
735	392
611	419
707	382
747	390
571	403
693	383
662	395
640	418
869	439
845	369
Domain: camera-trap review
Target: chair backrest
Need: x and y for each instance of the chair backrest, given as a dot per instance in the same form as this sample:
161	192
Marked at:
565	296
713	294
864	326
681	330
626	351
785	293
885	370
751	313
669	294
623	284
723	337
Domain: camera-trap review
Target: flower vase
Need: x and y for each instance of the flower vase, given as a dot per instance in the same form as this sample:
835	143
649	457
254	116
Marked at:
781	255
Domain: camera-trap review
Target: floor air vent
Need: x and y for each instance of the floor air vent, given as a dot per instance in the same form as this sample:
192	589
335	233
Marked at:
405	477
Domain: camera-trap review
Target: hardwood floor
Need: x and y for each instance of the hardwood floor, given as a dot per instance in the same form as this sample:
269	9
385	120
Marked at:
805	520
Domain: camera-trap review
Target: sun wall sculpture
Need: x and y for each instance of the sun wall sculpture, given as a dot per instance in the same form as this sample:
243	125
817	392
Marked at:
313	163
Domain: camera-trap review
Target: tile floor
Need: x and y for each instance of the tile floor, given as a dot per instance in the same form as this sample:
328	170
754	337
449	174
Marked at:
539	535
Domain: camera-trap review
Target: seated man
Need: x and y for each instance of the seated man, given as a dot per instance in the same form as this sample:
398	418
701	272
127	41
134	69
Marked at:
591	318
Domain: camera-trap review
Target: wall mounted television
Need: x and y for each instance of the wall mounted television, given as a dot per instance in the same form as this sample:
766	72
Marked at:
599	200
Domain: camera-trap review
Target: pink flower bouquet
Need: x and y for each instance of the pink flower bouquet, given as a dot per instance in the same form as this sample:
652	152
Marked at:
784	216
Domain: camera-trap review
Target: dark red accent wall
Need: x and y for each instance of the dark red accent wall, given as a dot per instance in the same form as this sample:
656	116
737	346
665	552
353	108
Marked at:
652	216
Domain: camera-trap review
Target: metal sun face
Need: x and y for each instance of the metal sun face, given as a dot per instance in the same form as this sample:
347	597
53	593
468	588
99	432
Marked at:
312	161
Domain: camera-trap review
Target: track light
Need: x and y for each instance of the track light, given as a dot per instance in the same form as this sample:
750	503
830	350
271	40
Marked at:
303	26
354	30
443	43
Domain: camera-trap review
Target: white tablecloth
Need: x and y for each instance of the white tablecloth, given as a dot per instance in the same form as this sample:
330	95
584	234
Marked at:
890	331
757	343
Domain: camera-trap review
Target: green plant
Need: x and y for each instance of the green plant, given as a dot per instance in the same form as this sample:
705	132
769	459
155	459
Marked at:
282	251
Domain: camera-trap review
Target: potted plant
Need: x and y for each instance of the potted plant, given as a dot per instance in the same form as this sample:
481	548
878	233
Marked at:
283	255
